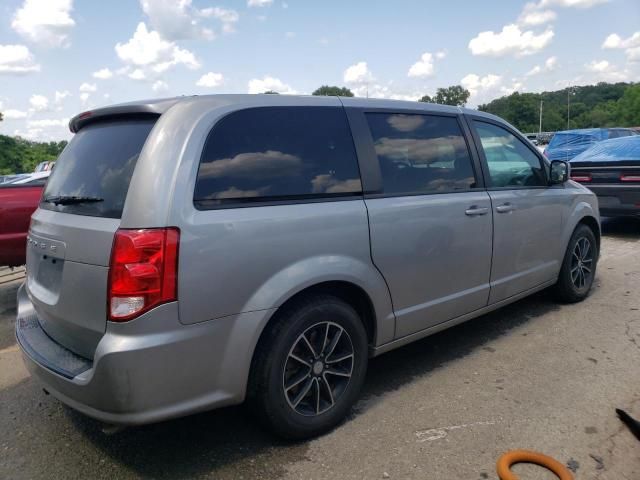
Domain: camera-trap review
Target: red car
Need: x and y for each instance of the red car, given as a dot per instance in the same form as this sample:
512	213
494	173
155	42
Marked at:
17	203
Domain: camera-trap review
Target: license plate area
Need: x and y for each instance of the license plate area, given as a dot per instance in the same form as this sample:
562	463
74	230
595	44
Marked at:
45	265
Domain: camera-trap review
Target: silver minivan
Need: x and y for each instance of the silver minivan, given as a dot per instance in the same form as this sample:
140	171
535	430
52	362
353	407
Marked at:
197	252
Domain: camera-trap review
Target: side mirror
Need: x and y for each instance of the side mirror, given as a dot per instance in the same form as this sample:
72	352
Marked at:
559	172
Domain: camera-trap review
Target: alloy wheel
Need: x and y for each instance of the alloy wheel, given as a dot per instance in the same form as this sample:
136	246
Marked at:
582	263
318	368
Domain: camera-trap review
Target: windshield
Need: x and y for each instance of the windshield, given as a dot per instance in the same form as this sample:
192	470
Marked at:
97	163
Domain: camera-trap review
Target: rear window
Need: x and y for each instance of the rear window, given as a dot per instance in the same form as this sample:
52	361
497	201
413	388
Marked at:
98	163
277	153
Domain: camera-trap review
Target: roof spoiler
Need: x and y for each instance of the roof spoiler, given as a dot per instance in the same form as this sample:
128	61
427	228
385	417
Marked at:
151	108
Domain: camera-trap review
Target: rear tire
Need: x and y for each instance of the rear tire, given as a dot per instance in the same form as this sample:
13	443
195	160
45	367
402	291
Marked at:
309	367
578	267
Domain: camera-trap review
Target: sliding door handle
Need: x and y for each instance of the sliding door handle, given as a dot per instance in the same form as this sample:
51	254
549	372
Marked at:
505	208
474	210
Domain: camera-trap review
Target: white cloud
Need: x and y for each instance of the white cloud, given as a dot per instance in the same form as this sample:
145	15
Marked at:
441	54
363	84
515	86
48	123
422	68
39	103
84	97
613	41
175	20
88	87
13	114
630	45
137	74
226	16
358	74
210	80
267	83
533	14
16	60
103	74
45	22
482	88
550	65
510	41
148	49
159	86
598	66
59	98
30	134
534	71
259	3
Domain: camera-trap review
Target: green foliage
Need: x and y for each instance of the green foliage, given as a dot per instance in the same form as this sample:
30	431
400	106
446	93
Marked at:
271	92
333	91
18	155
629	106
601	105
454	95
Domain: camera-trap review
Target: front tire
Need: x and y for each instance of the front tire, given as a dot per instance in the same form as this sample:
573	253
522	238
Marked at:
309	367
578	267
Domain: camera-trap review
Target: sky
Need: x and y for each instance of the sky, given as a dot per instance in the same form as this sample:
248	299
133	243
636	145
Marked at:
62	57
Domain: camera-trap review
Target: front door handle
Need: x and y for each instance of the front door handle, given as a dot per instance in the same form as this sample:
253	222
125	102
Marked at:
505	208
474	210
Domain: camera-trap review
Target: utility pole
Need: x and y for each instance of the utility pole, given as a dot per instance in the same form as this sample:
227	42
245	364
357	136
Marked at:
540	127
568	107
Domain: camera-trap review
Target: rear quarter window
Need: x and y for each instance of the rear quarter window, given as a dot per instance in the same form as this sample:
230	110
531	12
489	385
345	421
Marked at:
277	154
98	162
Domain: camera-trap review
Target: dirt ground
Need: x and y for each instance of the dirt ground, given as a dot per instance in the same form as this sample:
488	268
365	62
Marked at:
534	375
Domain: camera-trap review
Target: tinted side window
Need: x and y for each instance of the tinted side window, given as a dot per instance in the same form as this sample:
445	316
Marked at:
421	153
278	153
511	163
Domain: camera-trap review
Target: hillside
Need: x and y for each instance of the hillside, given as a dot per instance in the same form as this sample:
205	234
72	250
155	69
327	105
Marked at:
18	155
601	105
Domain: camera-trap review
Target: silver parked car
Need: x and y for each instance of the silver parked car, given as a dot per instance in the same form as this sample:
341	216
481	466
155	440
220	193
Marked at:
198	252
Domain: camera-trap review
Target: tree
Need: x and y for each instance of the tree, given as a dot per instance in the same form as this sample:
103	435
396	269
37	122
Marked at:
629	106
426	99
271	92
0	116
454	95
333	91
601	105
18	155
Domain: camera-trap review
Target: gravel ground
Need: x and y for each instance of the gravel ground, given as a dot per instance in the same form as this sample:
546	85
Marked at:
533	375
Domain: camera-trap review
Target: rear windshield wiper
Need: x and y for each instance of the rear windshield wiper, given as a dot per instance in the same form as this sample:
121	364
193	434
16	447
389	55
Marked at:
71	199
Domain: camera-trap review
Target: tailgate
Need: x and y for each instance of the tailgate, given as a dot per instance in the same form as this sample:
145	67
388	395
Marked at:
71	234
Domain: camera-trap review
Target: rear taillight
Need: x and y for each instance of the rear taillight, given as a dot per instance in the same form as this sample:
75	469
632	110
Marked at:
626	177
584	177
142	272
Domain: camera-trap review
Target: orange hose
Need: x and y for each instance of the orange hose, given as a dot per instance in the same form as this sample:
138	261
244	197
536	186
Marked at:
525	456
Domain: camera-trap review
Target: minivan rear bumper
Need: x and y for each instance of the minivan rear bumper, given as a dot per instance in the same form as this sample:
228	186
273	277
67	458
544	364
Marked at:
150	369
